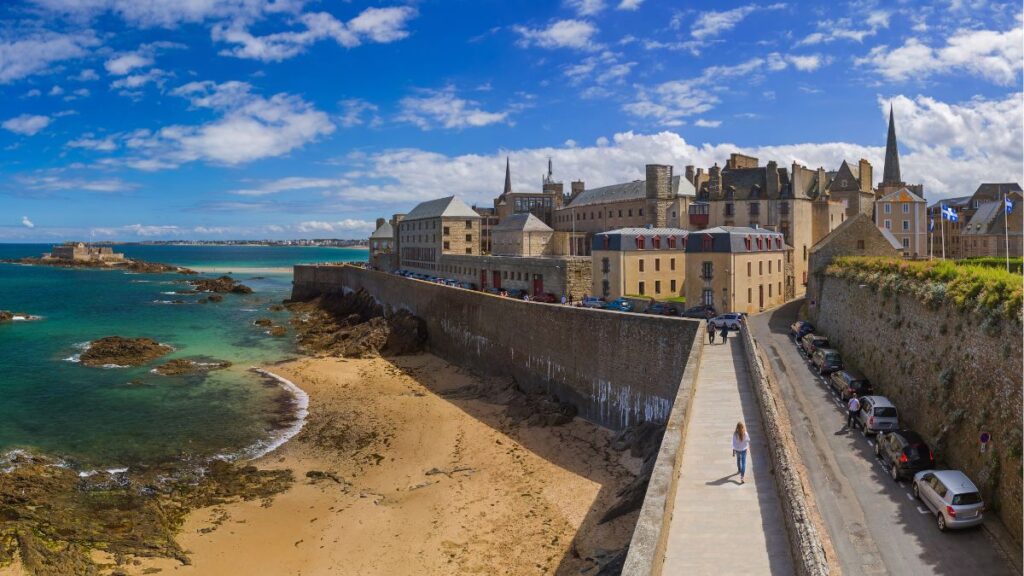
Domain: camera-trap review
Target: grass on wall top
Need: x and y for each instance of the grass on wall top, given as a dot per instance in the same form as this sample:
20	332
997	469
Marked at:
968	287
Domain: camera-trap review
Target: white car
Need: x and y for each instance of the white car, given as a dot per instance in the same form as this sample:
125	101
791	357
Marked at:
730	321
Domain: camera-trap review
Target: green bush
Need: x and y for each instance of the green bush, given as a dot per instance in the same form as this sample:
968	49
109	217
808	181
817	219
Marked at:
966	286
1016	264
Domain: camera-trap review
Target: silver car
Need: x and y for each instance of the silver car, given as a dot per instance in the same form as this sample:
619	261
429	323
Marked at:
951	496
877	414
730	321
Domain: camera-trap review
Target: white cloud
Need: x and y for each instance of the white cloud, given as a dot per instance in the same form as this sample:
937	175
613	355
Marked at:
136	81
26	124
26	222
355	110
989	54
445	109
124	63
586	7
711	24
701	122
629	4
378	25
86	75
845	29
577	34
250	128
89	142
34	52
57	183
808	63
168	14
33	93
289	184
347	225
56	91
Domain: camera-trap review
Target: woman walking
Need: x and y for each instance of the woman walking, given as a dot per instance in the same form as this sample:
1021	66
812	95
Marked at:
740	444
711	333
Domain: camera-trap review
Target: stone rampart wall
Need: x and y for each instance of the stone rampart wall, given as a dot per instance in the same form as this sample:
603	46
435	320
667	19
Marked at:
951	375
618	369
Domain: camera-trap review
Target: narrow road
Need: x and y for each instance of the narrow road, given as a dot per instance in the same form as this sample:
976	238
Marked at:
720	526
877	526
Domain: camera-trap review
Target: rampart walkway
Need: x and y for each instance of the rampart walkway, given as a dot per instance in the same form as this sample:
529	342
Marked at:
719	526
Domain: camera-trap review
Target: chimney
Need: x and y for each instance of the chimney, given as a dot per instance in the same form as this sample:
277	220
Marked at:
690	175
772	179
576	188
380	222
866	176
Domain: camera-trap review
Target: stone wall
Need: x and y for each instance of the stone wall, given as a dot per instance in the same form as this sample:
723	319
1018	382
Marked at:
617	369
952	376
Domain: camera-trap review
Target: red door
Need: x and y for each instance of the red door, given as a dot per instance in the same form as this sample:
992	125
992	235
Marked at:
538	286
483	279
497	279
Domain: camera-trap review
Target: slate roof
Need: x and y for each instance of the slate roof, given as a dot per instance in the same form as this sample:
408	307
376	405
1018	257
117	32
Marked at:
634	190
724	238
958	202
448	207
994	190
985	220
524	222
385	232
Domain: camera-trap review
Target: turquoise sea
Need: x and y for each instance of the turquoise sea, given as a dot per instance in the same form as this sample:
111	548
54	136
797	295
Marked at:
115	417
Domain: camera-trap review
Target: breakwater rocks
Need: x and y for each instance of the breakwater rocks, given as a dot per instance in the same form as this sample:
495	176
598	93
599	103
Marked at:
55	517
221	285
185	366
137	266
8	316
118	351
354	325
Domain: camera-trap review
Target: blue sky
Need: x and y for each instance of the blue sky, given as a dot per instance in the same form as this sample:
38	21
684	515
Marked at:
147	119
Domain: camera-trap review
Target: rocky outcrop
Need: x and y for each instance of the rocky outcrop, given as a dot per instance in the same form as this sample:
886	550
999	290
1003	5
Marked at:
643	441
118	351
263	322
6	316
277	331
211	299
222	285
138	266
355	326
185	366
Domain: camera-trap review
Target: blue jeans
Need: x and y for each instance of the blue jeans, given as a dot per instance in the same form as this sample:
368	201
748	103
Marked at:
741	462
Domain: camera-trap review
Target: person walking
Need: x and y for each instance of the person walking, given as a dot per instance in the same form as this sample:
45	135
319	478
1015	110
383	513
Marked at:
563	300
852	411
740	444
725	332
711	333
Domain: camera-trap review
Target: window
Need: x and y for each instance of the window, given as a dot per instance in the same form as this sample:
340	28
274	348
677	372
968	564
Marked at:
657	286
469	224
769	290
620	213
707	297
656	242
755	209
505	274
730	209
446	245
640	289
706	270
769	266
780	288
671	241
469	250
469	237
605	265
672	265
750	295
760	268
605	288
672	286
906	242
707	243
639	242
641	264
888	224
657	268
748	269
640	212
887	208
445	231
906	208
860	244
906	225
629	212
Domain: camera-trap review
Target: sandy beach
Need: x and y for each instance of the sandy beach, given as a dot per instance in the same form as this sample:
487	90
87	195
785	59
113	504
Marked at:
410	466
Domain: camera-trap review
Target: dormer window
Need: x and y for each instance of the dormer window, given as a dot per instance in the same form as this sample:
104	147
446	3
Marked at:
656	242
639	242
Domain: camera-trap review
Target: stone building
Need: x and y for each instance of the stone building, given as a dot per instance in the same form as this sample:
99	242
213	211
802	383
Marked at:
852	185
541	204
661	200
857	236
435	228
793	202
904	214
892	181
82	252
735	269
569	276
488	221
382	247
523	235
991	231
959	245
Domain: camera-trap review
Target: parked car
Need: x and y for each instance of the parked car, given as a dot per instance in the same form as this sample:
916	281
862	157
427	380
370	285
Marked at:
905	452
730	321
546	297
492	290
704	311
877	414
799	329
846	382
592	302
811	342
619	305
827	361
516	293
951	496
661	309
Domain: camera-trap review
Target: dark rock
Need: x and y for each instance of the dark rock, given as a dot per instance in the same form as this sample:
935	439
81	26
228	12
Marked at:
642	440
263	322
123	351
181	366
221	285
278	331
6	316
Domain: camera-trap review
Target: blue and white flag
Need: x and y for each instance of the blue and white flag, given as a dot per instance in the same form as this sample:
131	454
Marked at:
931	224
948	213
1009	204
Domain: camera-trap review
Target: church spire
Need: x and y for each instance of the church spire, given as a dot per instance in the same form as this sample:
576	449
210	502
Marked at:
508	178
891	169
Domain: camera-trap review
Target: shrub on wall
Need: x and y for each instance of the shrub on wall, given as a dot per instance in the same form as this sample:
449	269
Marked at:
981	288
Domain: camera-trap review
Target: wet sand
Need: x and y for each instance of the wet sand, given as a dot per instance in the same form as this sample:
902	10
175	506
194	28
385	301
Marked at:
402	470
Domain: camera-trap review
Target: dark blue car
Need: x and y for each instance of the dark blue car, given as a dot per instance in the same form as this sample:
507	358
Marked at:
619	305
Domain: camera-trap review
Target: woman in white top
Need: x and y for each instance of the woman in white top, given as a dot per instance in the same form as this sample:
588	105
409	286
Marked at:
740	444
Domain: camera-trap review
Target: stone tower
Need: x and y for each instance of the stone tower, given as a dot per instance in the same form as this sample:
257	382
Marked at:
658	190
508	178
891	169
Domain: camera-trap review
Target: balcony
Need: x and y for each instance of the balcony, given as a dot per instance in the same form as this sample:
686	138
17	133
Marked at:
699	219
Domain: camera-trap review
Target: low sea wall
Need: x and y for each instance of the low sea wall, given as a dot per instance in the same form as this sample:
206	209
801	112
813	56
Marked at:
617	369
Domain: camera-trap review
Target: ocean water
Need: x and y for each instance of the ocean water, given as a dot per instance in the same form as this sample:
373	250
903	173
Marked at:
114	417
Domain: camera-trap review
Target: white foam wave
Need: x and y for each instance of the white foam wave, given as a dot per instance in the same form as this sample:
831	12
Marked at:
264	447
76	358
110	366
248	310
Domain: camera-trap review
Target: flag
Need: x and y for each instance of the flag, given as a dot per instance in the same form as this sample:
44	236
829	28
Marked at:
931	224
1009	204
948	213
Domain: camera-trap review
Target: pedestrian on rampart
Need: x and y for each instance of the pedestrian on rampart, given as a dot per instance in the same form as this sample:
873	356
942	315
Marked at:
740	445
711	333
852	411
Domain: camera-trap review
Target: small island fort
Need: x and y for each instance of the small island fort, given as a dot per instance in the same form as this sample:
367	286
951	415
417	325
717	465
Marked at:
82	252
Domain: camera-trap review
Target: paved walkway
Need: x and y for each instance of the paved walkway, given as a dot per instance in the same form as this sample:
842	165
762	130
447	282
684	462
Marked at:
719	526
